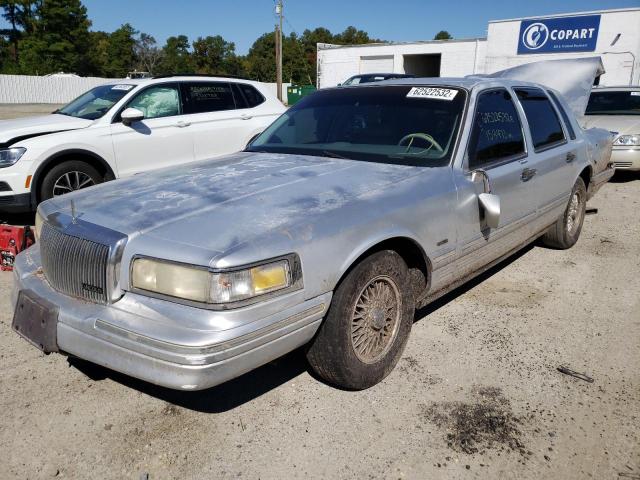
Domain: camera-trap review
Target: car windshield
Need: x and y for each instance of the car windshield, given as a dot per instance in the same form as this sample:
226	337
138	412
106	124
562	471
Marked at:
392	124
614	103
96	102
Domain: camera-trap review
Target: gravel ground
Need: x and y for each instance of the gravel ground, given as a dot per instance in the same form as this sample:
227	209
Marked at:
475	395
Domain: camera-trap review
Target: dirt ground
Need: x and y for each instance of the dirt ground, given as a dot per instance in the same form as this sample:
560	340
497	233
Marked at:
476	394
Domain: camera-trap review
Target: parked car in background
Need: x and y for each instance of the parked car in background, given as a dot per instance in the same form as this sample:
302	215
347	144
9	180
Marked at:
373	77
356	206
120	129
618	109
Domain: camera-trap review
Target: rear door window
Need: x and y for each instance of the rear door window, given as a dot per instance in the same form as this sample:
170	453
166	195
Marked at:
563	112
202	97
247	96
544	123
497	131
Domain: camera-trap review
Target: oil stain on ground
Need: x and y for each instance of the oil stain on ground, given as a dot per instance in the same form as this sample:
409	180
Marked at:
485	423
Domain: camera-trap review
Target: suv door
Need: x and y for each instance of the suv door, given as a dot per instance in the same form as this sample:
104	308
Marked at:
160	140
553	156
497	147
218	125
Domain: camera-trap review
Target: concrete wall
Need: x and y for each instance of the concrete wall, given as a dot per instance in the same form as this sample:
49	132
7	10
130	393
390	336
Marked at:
458	58
502	47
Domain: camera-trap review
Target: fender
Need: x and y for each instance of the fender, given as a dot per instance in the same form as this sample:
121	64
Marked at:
63	153
381	238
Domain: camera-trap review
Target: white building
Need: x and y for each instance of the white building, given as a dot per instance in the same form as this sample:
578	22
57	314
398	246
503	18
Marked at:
614	35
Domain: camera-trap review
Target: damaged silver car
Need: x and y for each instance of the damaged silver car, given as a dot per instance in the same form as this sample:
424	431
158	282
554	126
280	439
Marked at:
354	208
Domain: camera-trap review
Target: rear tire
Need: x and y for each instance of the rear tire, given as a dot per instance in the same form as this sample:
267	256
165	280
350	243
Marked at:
565	232
67	177
368	324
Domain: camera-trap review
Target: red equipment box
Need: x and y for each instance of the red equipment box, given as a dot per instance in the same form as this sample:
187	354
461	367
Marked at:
13	240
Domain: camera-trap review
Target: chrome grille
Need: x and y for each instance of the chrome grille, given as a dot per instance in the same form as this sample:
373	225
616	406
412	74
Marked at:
75	266
622	164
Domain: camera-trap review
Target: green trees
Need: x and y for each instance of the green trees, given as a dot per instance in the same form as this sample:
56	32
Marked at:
443	35
47	36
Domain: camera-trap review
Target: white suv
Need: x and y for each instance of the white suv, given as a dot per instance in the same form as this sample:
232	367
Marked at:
120	129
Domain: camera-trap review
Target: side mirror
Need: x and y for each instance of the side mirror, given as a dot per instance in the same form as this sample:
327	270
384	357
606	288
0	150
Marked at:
489	202
491	205
131	115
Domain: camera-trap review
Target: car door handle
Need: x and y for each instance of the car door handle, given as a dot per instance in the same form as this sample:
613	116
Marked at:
246	116
182	124
528	174
571	157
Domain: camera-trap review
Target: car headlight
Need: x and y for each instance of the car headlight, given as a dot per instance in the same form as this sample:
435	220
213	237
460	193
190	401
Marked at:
37	229
199	284
628	140
9	156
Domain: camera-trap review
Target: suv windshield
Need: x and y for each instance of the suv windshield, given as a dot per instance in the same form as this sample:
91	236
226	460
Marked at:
614	103
393	124
96	102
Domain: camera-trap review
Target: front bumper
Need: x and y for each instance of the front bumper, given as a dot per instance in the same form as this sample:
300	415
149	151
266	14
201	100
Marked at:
121	336
626	158
19	203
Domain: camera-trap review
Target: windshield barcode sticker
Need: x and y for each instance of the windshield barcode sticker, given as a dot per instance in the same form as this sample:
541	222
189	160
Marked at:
432	92
126	88
635	94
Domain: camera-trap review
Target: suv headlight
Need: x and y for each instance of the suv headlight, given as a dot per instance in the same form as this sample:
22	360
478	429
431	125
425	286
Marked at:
628	140
9	156
199	284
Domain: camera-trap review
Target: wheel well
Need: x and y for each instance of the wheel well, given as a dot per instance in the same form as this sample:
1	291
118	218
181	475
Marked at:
586	176
413	255
81	155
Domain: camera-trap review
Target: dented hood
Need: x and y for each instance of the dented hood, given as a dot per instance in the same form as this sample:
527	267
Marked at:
216	204
12	131
573	78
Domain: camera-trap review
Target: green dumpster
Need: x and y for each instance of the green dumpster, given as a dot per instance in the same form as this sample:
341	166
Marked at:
296	92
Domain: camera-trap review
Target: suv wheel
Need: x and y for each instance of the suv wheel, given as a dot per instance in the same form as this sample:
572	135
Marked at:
368	324
68	177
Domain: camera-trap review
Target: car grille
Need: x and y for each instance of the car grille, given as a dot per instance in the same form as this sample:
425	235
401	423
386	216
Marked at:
7	200
75	266
622	164
4	187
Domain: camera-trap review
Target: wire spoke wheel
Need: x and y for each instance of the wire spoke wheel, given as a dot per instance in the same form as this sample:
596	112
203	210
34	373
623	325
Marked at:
375	319
574	213
71	181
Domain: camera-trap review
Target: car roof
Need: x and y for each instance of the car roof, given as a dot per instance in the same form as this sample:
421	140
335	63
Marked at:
177	78
468	83
622	88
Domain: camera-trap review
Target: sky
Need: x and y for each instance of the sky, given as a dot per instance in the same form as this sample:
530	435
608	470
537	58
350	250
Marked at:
242	21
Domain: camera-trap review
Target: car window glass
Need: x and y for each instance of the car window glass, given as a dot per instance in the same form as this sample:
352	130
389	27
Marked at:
203	97
497	131
614	103
252	96
156	102
563	112
543	121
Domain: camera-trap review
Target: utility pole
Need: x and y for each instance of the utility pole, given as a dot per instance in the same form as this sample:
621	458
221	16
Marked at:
279	49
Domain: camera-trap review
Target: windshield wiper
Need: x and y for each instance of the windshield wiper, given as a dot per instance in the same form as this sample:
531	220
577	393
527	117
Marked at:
329	153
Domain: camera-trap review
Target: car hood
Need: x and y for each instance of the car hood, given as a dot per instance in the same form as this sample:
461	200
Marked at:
622	124
217	204
20	128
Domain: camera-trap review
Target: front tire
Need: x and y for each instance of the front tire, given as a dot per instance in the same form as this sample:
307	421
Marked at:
68	177
565	232
368	324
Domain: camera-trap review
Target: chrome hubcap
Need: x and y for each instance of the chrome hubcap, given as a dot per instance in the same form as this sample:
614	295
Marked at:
70	182
375	319
574	213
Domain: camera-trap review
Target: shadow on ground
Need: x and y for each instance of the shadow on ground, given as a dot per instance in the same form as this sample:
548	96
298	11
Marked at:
256	383
622	176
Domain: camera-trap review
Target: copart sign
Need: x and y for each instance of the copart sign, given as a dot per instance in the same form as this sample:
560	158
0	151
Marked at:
555	35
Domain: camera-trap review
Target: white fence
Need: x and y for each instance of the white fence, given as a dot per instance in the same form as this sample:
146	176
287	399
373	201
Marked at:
31	89
28	89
